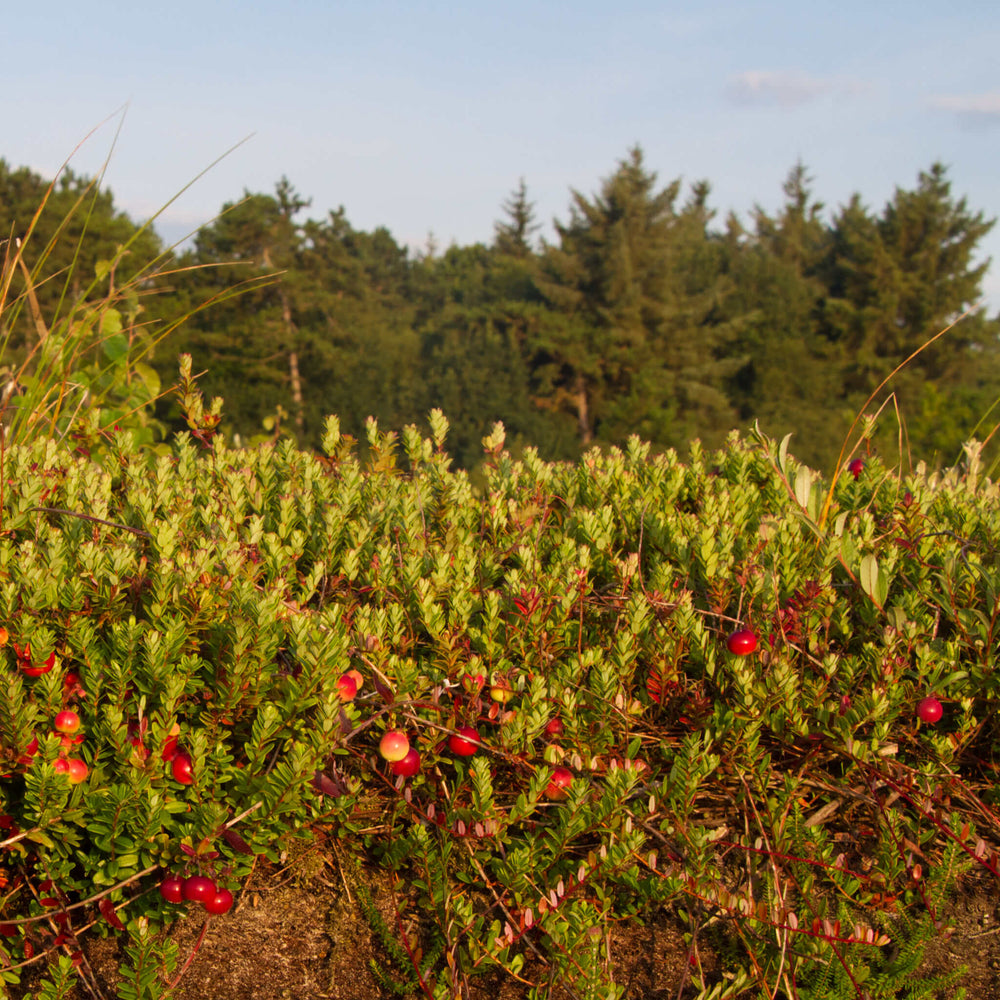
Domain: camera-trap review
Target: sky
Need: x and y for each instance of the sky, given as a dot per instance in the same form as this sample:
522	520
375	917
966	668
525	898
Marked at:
423	116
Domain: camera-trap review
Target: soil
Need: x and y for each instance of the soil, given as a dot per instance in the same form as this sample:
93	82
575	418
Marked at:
299	933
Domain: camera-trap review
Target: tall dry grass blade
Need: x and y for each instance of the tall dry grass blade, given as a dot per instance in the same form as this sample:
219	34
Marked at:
33	307
825	512
190	183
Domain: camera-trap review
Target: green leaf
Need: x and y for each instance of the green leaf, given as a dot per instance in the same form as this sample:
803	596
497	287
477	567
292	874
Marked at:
783	454
111	322
41	837
803	486
150	377
115	348
873	582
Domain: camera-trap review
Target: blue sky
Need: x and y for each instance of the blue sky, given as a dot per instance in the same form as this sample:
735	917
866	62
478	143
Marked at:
422	116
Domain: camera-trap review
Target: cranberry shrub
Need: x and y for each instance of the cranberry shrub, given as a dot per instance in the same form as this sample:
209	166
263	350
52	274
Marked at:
201	605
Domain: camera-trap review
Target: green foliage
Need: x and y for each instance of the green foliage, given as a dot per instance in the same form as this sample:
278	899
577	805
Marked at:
407	968
150	964
59	983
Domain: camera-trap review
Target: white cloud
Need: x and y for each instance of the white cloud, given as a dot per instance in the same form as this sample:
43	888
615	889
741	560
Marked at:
983	107
783	88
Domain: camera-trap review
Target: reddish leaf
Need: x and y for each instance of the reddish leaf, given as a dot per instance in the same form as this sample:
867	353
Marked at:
653	688
326	785
236	842
108	912
384	692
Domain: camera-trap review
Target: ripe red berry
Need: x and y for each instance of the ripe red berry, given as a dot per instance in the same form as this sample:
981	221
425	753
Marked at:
67	722
198	888
29	751
461	742
855	466
172	889
221	902
170	743
408	766
742	642
929	710
347	687
77	770
181	768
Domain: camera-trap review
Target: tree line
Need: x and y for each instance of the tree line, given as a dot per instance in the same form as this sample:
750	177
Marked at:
646	314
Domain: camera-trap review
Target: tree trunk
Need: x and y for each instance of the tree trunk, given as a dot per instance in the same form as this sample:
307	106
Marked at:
293	364
293	356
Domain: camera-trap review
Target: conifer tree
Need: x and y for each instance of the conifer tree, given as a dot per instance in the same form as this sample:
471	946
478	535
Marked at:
251	342
898	279
514	235
363	319
790	381
628	346
894	282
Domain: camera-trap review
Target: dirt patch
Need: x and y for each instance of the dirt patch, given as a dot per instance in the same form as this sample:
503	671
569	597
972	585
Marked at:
975	943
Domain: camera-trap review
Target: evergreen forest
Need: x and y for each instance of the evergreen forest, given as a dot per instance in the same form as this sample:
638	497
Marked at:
647	314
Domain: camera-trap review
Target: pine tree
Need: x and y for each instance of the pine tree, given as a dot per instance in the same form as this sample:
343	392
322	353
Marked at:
635	341
790	381
255	245
363	321
894	282
897	280
514	235
477	309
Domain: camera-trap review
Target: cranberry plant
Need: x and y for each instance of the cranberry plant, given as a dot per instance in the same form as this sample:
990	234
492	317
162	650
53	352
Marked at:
572	740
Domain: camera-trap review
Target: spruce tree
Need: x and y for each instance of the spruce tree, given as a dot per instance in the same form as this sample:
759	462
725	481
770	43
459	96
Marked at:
635	341
790	380
897	280
514	236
